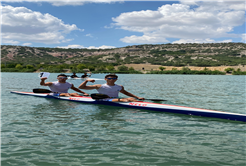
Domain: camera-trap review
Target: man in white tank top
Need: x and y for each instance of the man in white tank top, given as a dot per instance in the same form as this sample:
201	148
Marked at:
60	87
110	88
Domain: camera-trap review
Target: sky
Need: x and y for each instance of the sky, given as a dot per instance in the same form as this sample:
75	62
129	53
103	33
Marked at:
102	24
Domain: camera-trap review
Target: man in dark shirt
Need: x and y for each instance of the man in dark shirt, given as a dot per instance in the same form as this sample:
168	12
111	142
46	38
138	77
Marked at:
74	75
85	75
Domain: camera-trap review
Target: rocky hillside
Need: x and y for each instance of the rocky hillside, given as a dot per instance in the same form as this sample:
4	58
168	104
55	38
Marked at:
211	54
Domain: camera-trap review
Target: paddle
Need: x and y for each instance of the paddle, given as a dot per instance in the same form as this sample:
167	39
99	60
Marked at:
156	99
39	90
103	96
99	96
95	96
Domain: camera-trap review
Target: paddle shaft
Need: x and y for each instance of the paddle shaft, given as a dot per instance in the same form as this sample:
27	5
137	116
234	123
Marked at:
156	99
94	95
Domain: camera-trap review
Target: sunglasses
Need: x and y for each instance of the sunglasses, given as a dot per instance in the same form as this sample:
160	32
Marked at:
111	78
62	77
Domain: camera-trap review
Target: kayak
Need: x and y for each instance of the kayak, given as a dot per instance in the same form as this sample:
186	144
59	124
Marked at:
148	106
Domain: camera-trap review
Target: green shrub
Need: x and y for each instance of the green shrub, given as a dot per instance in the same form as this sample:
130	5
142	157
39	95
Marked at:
19	66
29	67
110	67
162	68
123	68
131	69
3	66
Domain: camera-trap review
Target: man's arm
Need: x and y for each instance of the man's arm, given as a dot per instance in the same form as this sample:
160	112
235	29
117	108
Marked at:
43	83
89	87
77	90
129	94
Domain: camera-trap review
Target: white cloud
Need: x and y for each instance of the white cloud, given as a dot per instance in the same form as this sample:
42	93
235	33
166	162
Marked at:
189	2
225	41
101	47
147	39
207	20
66	2
27	44
90	47
211	4
89	35
201	41
244	37
71	46
24	25
12	42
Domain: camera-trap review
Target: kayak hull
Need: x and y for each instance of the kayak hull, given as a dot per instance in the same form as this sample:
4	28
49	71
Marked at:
148	106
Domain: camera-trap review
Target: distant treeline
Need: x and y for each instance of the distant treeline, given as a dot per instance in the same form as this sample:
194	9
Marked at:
205	71
186	70
77	68
81	68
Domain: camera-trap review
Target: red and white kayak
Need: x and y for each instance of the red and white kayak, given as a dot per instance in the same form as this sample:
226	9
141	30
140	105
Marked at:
148	106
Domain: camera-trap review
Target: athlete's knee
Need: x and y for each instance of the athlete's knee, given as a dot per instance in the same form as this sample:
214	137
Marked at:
131	99
74	94
64	94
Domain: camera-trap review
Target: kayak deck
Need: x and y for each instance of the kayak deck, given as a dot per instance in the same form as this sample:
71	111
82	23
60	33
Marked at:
148	106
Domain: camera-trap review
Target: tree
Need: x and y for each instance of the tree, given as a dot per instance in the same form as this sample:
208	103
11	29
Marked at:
101	68
117	56
81	66
123	68
19	66
162	68
185	69
238	70
2	66
229	70
11	65
131	69
110	68
91	68
29	67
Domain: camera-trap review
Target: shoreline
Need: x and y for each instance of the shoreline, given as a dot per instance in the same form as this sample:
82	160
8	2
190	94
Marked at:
144	68
149	67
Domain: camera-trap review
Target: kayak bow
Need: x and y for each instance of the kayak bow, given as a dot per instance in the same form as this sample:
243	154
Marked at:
148	106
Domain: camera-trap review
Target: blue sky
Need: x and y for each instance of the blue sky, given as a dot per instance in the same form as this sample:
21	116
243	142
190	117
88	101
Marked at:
118	23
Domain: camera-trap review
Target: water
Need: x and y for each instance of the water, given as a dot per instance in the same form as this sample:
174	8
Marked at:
47	132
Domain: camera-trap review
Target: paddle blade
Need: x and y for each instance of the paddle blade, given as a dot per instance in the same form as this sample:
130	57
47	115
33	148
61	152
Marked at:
99	96
38	90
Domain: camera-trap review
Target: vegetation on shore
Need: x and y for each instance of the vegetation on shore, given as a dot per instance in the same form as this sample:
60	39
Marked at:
81	68
205	71
186	70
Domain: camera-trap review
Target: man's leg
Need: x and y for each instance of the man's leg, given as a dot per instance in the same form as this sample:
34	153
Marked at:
64	94
74	94
131	99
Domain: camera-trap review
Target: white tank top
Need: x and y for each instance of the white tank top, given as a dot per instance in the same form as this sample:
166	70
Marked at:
60	87
111	91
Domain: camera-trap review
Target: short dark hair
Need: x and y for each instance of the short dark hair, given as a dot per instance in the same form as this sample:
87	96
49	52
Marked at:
64	75
111	75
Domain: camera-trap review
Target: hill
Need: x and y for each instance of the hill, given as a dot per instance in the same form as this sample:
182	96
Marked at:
200	55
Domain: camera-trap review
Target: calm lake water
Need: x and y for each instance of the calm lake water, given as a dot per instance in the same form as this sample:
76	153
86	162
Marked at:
47	132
